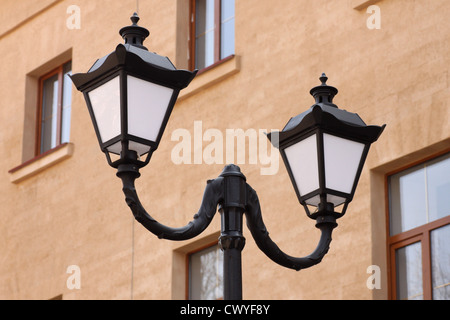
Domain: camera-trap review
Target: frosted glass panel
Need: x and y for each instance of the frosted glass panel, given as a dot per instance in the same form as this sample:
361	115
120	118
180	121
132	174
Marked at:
140	148
147	106
313	201
105	101
335	200
115	148
342	158
302	158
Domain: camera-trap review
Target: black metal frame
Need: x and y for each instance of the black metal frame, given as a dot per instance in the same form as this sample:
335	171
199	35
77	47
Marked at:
229	192
325	117
124	137
132	59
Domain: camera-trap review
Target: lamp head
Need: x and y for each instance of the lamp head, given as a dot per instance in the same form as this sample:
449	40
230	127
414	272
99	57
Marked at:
324	150
130	94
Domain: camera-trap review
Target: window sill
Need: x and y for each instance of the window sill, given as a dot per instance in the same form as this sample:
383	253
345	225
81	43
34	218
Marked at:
41	162
363	4
212	75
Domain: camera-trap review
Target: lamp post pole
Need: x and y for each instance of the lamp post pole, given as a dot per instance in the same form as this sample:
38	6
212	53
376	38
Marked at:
231	239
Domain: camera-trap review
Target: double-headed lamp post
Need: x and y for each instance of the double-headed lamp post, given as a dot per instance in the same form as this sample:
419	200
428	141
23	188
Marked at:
130	94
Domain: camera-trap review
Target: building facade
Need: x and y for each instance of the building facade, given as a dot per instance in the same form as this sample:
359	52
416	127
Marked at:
66	230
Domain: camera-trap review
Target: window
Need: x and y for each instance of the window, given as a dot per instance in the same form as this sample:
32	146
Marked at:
54	109
212	32
206	274
419	231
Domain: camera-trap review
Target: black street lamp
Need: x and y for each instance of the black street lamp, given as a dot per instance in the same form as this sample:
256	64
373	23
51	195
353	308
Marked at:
324	150
130	94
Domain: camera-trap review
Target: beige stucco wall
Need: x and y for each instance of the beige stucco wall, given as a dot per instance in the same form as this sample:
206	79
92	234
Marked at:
73	212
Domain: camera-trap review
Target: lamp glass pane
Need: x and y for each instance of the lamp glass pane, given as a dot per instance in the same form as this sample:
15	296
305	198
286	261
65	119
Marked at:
335	200
140	148
105	102
302	158
115	148
147	106
342	159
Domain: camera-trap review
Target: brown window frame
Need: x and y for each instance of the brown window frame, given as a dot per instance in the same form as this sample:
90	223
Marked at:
420	234
217	37
38	142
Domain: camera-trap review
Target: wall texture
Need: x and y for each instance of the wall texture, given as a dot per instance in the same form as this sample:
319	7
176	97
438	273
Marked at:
72	210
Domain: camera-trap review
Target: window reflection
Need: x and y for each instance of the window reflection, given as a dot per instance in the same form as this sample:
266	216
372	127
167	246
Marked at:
206	274
440	263
409	272
419	213
419	195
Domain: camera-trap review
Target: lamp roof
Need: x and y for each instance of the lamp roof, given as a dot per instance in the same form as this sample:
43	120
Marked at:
134	34
147	56
136	59
328	116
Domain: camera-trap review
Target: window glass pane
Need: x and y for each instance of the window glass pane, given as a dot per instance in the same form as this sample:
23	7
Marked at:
206	274
49	120
409	272
438	187
204	33
66	103
419	195
407	200
440	263
227	29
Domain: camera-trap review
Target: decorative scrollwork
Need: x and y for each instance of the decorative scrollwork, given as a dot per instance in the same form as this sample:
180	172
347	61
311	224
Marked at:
212	196
259	232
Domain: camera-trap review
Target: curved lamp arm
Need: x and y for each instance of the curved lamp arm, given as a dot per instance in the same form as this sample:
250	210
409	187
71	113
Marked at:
259	232
212	196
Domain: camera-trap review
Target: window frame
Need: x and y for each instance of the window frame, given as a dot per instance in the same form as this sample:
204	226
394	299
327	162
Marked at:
59	110
217	37
187	265
420	234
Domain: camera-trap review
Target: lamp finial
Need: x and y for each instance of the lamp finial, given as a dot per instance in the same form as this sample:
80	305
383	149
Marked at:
324	94
323	79
135	19
134	34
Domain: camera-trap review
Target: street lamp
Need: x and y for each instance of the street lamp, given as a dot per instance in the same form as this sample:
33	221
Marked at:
130	94
324	150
